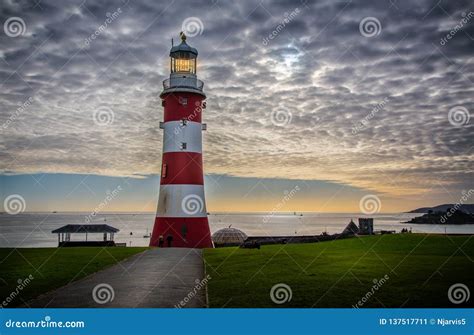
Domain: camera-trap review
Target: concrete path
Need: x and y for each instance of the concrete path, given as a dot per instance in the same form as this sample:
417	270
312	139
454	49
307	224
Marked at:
165	277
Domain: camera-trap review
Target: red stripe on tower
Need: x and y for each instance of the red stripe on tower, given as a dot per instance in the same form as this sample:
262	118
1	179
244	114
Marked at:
181	217
182	169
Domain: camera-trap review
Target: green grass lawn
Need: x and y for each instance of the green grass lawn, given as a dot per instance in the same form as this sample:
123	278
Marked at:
420	270
51	268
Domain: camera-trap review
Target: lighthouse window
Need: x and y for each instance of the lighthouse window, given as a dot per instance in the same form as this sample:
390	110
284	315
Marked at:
164	170
183	65
183	145
184	122
183	101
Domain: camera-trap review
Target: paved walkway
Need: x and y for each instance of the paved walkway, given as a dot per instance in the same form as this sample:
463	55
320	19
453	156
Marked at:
155	278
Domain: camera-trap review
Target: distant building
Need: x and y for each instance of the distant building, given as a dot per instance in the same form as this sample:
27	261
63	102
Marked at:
366	226
351	229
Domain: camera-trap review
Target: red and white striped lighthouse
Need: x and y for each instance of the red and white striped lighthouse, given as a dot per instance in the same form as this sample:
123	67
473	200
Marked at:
181	217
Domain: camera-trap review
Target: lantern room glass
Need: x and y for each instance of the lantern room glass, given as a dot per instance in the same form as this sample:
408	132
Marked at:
183	63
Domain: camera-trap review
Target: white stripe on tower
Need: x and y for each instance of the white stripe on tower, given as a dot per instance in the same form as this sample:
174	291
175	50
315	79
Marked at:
176	133
177	200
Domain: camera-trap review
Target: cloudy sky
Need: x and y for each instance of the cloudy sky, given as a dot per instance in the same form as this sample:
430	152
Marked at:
344	98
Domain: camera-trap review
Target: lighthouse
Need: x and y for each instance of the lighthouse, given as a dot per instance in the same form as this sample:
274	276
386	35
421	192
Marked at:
181	216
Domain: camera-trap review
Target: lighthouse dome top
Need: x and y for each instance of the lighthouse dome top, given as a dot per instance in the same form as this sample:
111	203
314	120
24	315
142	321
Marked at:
183	66
183	49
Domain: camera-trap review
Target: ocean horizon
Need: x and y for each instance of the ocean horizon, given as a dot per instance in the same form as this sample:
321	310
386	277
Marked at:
34	229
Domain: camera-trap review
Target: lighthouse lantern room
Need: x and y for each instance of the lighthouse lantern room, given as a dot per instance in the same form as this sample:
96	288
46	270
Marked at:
181	217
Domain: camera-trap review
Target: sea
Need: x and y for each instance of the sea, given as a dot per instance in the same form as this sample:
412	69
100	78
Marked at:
34	229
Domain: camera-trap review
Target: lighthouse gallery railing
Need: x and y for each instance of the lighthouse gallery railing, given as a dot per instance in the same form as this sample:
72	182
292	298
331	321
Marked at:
184	82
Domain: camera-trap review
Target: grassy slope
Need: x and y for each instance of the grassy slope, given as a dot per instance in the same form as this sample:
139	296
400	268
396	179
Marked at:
52	267
340	273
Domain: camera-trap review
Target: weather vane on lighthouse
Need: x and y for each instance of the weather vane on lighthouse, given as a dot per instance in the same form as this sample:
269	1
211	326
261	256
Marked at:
181	217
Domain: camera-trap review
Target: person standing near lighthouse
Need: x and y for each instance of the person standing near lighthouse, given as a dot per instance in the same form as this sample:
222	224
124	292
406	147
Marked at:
181	215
